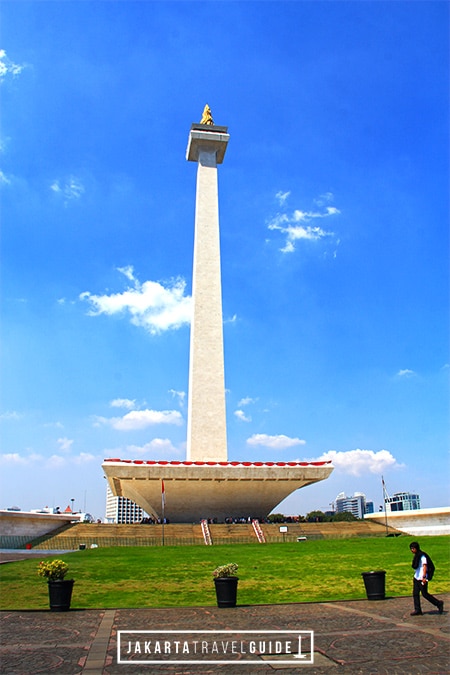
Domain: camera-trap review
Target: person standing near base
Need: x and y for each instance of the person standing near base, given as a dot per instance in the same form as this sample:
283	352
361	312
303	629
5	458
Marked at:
420	580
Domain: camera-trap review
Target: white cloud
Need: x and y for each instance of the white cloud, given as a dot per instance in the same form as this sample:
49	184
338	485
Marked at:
157	448
150	305
10	415
127	271
53	425
8	67
321	200
242	416
65	444
84	458
282	196
406	373
123	403
4	180
357	462
280	442
70	188
141	419
295	225
246	401
56	462
13	458
180	395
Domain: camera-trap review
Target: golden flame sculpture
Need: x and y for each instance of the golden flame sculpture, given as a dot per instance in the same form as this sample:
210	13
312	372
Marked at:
207	116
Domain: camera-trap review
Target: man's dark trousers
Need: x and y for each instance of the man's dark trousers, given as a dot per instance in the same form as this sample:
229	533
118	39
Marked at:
419	588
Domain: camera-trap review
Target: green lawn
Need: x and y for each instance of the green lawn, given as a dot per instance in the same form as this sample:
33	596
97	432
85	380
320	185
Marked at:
181	576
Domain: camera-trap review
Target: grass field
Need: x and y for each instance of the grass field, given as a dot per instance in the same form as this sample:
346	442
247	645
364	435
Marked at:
170	576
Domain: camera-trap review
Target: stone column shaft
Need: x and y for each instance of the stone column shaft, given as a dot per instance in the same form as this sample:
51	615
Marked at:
206	433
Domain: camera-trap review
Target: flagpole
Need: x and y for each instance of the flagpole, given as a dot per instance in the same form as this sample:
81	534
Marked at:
384	502
163	501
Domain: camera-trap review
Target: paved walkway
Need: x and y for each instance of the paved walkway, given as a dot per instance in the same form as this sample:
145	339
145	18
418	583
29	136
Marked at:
358	637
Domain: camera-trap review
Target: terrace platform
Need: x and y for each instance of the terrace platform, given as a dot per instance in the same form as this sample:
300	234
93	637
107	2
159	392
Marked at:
183	534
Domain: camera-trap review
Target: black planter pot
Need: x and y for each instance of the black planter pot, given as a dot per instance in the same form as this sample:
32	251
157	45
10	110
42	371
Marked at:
60	594
375	583
226	591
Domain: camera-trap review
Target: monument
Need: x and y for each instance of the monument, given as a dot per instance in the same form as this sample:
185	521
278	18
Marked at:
207	485
206	431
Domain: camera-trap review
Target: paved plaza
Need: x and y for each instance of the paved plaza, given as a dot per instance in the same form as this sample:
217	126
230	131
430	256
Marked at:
364	637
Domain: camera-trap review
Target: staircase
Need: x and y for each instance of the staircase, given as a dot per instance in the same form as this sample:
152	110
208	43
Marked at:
232	533
258	531
206	533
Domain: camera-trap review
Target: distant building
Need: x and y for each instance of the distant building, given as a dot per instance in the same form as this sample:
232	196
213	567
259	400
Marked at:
402	501
122	510
369	507
355	505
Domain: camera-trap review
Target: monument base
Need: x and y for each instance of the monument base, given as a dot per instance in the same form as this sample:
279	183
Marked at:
216	490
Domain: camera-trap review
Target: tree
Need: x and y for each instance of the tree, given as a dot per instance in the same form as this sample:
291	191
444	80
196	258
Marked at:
316	517
345	516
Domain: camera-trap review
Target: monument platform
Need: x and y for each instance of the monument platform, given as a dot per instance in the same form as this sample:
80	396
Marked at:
196	490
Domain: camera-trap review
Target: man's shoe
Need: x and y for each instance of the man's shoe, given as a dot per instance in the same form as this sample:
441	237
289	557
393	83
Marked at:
441	606
417	613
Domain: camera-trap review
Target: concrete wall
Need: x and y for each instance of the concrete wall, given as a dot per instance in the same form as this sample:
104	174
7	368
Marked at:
418	523
23	523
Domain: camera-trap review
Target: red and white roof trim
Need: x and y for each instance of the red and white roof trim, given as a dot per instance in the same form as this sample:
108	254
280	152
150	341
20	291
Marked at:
186	463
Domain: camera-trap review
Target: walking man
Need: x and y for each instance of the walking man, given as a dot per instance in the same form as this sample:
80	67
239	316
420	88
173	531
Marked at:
421	566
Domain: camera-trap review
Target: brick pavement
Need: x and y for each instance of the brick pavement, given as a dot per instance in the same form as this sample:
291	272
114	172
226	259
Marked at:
352	637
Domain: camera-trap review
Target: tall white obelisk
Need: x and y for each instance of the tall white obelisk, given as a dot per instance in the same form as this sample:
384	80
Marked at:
207	482
206	431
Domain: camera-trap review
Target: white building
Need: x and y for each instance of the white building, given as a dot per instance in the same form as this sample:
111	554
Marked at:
355	505
122	510
402	501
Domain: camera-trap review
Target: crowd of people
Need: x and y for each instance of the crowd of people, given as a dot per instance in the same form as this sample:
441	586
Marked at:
150	520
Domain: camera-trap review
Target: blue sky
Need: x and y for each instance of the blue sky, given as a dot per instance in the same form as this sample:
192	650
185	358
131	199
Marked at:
334	235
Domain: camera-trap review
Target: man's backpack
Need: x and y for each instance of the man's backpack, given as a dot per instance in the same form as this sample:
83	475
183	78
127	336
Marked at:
430	567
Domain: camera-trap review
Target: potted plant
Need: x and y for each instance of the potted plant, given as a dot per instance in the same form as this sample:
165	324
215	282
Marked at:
59	588
226	581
